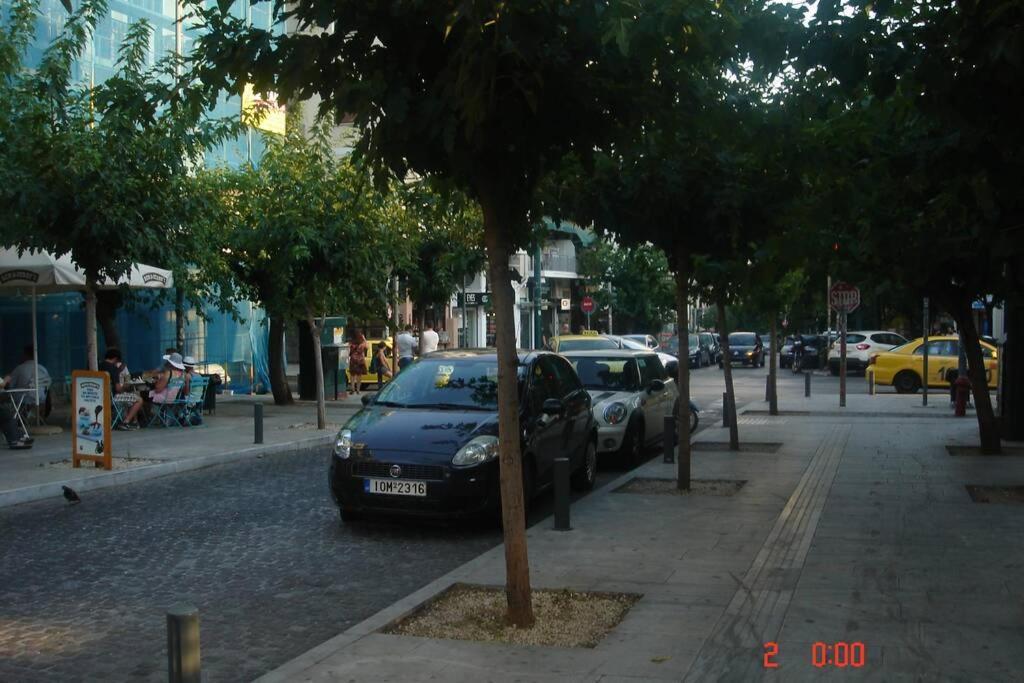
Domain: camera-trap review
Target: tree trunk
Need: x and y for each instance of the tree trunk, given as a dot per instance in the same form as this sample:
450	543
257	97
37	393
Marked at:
278	372
987	425
318	372
497	222
773	395
394	335
730	394
91	354
1011	360
179	320
107	303
684	452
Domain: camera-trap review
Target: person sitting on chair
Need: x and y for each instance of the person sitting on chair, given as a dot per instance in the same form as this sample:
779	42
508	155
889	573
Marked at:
23	376
173	368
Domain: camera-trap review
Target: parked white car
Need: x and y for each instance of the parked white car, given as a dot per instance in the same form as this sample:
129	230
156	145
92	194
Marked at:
630	342
631	394
860	346
647	340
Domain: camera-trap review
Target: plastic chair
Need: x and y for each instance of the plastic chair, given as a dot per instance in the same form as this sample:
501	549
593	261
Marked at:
191	405
166	412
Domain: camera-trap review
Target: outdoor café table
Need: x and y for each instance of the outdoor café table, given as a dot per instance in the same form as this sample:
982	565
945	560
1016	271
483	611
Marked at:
17	398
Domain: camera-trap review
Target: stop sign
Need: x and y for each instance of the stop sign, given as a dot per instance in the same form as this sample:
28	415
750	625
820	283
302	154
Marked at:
843	297
587	305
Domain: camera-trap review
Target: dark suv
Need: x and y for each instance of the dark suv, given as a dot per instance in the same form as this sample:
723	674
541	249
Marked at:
427	444
745	348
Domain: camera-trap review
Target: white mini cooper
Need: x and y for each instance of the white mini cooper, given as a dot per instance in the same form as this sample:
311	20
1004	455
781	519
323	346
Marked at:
631	393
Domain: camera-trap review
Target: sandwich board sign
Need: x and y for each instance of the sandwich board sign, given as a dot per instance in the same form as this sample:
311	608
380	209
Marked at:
90	418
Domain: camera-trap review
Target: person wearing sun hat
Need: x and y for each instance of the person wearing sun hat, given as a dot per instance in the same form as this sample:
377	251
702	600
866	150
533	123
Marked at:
174	368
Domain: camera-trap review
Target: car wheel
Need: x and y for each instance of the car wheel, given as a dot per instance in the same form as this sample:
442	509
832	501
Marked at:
348	515
906	382
694	420
583	479
632	449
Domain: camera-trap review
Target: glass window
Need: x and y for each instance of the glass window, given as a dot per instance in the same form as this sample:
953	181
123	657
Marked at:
651	369
855	338
940	347
445	383
543	384
607	374
742	339
566	381
593	344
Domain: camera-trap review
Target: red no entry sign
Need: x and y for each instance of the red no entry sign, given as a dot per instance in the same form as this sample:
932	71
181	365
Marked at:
843	297
587	305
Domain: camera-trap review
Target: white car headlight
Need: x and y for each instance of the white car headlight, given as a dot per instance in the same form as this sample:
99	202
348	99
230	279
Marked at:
750	353
343	444
480	449
615	413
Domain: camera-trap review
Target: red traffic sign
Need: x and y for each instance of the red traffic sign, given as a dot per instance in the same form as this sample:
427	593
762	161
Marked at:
843	297
587	305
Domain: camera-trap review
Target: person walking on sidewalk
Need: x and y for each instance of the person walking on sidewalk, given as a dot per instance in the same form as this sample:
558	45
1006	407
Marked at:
428	340
357	349
382	365
406	343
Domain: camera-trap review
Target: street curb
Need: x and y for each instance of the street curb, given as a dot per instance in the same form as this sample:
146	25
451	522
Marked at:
290	670
28	494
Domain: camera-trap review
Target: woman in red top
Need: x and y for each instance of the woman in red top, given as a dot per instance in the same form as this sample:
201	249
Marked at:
357	350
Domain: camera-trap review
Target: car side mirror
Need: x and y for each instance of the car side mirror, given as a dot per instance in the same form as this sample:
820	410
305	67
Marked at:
551	406
656	385
672	368
368	398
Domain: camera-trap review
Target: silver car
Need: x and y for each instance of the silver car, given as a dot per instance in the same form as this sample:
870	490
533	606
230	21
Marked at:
631	394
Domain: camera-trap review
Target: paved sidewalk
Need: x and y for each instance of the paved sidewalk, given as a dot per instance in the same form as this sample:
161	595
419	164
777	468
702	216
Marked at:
39	472
858	529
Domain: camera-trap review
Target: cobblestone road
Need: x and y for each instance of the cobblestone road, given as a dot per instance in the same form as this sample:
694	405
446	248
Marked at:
256	546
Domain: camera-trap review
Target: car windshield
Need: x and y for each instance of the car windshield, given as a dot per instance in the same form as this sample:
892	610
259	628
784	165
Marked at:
589	344
741	339
444	383
672	345
632	343
694	340
607	374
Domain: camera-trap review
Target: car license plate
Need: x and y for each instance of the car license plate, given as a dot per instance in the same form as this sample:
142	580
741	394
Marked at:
395	487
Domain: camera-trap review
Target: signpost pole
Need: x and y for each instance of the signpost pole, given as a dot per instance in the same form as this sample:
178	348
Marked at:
610	330
588	321
536	298
842	359
924	366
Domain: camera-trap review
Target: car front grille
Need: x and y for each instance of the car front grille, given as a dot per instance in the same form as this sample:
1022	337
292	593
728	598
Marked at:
383	470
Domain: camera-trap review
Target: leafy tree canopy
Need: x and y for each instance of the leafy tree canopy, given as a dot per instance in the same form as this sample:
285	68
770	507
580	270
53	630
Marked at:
641	295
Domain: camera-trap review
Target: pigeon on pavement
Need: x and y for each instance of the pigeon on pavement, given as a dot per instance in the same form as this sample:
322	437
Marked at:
70	495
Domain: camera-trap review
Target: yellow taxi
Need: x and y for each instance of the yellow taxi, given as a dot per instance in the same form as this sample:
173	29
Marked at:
582	342
371	374
903	366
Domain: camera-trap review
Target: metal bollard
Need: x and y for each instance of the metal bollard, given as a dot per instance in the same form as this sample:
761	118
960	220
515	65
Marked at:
725	410
871	383
768	387
562	495
807	385
183	644
669	440
257	419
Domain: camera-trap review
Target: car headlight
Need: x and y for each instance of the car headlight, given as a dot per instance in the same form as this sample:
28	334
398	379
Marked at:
479	449
343	444
615	413
750	353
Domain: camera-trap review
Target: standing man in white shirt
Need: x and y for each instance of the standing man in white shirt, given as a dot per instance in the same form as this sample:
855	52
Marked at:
406	343
428	340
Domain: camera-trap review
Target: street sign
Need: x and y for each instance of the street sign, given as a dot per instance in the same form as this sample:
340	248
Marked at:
566	304
474	298
843	297
90	418
587	305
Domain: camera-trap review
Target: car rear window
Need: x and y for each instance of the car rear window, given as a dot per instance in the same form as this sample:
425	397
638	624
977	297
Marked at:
741	339
855	338
595	344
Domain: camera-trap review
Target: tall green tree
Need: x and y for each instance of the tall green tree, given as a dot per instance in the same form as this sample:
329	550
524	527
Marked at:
921	104
302	234
488	95
96	172
633	281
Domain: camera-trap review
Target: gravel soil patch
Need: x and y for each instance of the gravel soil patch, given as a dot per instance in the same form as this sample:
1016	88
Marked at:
698	487
565	618
1013	495
745	446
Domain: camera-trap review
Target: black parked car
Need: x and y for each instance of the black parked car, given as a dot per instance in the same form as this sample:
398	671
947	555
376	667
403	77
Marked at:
786	354
745	348
427	444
